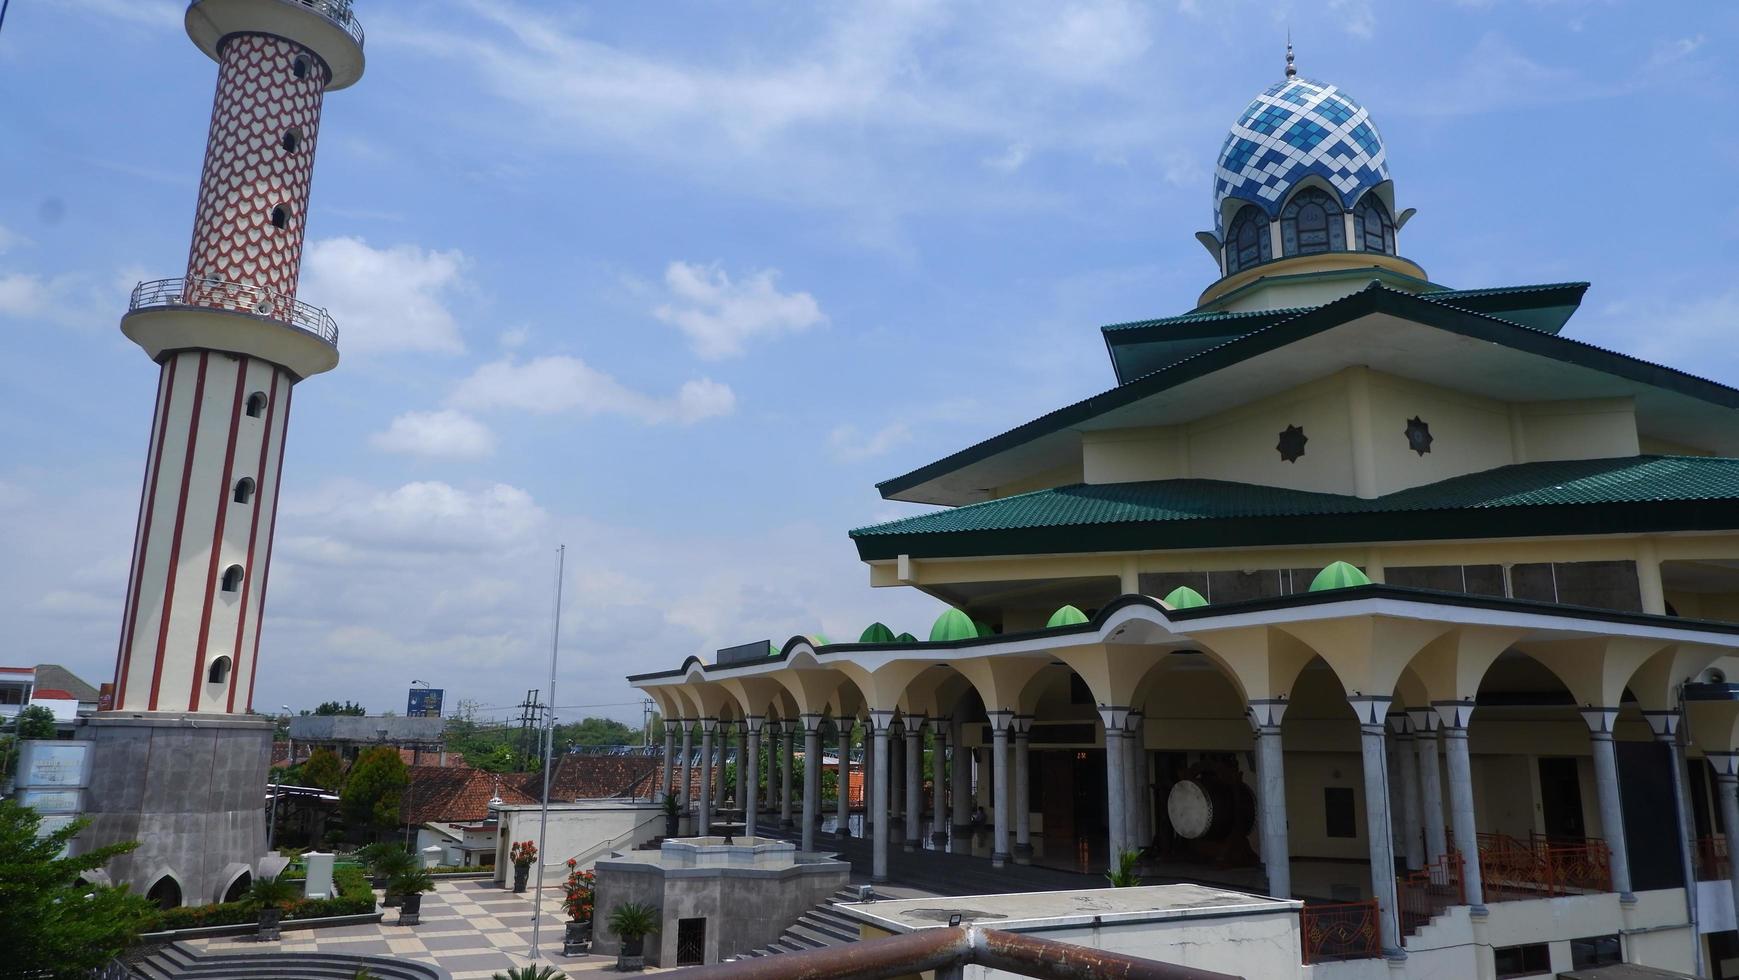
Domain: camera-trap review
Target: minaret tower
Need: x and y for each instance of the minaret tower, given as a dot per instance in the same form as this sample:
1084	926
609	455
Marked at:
231	339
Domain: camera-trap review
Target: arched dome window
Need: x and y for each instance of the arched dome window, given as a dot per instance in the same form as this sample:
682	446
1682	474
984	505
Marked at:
1247	241
1372	226
1310	223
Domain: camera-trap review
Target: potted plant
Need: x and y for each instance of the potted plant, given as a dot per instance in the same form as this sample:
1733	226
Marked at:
270	897
385	861
410	885
579	891
1123	875
532	972
672	815
631	921
522	854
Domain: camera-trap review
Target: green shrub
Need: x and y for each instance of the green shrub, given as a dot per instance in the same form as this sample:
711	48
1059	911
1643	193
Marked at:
355	897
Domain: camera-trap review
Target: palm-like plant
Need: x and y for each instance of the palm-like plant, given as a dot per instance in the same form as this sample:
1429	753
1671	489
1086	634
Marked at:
1124	876
273	893
529	973
633	920
388	859
410	881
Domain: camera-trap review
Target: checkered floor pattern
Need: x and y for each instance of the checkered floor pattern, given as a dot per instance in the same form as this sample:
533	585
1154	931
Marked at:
470	928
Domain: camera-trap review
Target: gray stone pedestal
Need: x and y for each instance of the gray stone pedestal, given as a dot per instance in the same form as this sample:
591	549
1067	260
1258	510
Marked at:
190	788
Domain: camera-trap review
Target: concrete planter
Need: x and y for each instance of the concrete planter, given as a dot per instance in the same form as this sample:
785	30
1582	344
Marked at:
268	924
576	938
632	957
520	871
410	909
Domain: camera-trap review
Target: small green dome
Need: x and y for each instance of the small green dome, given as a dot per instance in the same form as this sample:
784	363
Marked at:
1338	575
1066	616
819	640
1184	597
953	625
772	649
905	638
876	633
982	629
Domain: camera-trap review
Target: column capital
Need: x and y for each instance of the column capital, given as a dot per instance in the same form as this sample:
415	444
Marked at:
1113	717
672	726
708	725
811	722
1132	721
1371	708
1023	725
1424	722
1726	764
1266	712
1399	723
880	720
939	726
1664	724
1600	720
1000	719
1454	714
753	723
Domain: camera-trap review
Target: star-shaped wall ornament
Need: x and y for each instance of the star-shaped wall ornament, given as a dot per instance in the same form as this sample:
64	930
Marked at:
1418	435
1291	445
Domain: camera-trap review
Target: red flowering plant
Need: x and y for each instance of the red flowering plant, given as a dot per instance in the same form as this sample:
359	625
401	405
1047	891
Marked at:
522	853
580	888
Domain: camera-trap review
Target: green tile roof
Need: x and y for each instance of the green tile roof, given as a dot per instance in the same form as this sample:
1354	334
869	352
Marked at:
1603	495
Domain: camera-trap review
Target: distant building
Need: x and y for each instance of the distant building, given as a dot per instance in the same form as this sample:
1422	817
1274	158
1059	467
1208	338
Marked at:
450	808
48	685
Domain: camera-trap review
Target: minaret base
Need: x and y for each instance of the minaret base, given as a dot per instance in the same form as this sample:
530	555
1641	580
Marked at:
190	788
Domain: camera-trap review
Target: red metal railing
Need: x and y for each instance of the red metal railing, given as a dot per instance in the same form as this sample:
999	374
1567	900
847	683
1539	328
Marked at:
1542	867
1713	863
1428	892
1340	931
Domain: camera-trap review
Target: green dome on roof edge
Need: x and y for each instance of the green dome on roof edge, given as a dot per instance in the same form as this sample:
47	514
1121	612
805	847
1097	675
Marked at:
772	649
953	625
819	640
1184	597
1338	575
1066	616
876	633
905	638
983	630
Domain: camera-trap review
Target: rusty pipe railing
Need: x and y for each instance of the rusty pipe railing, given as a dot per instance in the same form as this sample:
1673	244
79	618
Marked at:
944	949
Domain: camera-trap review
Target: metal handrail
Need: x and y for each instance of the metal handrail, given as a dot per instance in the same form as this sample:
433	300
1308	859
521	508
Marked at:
239	296
338	12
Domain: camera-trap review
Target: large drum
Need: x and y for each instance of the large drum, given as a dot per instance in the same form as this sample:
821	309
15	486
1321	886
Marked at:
1207	808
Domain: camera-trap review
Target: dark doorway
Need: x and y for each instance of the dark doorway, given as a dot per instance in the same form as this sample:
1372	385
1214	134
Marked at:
1651	821
238	889
1561	799
1069	789
166	893
690	942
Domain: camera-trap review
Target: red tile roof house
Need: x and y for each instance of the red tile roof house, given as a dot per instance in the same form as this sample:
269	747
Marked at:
449	807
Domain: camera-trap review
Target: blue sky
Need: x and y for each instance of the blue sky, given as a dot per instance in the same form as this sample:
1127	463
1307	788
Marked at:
675	284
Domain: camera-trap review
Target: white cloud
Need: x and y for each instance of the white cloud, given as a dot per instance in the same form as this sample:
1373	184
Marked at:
1076	43
446	433
10	239
559	383
719	316
66	300
347	524
850	445
385	299
1009	160
1356	17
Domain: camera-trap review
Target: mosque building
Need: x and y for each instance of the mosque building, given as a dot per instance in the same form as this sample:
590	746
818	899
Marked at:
1385	595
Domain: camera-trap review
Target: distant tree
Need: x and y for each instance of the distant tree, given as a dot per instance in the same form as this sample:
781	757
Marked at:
53	926
322	768
501	758
328	708
594	731
377	781
36	722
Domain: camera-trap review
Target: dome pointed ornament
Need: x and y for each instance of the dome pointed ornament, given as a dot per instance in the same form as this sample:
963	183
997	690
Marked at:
1291	69
1419	437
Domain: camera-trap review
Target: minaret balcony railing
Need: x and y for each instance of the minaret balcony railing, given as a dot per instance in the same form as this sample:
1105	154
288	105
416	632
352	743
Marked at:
209	293
338	12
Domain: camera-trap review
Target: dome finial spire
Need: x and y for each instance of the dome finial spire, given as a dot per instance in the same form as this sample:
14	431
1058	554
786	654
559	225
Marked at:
1291	69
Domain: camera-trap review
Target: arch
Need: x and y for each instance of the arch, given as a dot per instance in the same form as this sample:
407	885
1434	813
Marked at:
256	404
1312	222
301	66
165	892
280	216
240	881
1373	228
232	578
218	672
292	139
244	490
1248	241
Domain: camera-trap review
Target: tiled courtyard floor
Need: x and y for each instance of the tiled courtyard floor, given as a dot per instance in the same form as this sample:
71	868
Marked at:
470	928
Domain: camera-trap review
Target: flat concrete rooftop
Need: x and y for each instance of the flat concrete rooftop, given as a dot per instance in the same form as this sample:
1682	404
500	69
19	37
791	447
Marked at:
1019	910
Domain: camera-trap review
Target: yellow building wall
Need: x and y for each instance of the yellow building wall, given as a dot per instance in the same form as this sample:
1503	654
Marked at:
1598	428
1469	434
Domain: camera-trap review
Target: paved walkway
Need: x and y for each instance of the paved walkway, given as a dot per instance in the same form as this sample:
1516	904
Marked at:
470	928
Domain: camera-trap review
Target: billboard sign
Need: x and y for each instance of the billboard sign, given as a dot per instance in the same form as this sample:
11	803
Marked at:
424	702
746	652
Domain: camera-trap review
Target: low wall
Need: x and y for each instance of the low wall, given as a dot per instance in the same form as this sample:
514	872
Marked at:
589	827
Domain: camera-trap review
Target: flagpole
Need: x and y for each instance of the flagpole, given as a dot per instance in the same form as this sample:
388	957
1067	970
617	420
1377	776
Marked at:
549	729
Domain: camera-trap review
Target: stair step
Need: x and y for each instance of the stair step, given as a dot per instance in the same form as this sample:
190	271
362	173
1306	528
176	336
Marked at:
834	930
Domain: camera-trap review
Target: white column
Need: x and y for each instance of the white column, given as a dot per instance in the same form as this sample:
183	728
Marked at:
785	766
1424	722
1407	763
1135	780
748	769
1455	715
686	788
873	804
706	775
1665	725
1727	790
666	773
940	782
1600	722
1020	808
999	725
879	721
1115	816
1372	729
914	781
811	779
843	803
1271	800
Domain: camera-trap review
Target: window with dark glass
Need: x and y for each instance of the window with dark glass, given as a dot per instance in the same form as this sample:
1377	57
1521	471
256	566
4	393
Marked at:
1338	817
1310	223
1372	226
1247	242
1522	961
1592	951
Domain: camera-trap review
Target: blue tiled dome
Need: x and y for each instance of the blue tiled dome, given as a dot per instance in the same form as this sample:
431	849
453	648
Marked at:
1299	127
